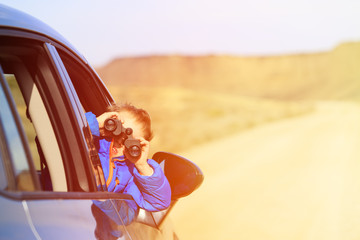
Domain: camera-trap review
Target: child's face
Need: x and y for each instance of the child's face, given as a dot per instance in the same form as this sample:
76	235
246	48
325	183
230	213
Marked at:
130	122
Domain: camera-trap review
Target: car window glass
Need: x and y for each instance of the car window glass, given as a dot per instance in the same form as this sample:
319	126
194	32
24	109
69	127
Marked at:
88	89
14	144
21	108
26	68
3	157
3	180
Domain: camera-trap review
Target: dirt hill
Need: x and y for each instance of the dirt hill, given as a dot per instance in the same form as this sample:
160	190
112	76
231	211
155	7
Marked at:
197	99
325	75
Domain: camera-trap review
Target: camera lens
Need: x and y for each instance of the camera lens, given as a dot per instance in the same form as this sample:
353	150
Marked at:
134	151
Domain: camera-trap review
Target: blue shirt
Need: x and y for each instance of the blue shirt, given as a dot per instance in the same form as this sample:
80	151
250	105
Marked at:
152	193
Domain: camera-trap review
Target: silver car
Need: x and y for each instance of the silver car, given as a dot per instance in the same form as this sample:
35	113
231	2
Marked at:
47	182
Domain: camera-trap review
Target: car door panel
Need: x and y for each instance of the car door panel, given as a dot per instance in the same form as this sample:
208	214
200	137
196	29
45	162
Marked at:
82	218
62	219
14	223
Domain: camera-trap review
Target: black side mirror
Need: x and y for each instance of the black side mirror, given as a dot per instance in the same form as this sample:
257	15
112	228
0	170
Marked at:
184	176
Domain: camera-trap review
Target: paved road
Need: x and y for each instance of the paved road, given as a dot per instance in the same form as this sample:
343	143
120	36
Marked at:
293	179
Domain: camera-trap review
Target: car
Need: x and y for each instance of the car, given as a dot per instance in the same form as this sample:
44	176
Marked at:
47	157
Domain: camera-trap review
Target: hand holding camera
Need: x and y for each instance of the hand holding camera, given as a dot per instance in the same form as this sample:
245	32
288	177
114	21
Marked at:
136	147
117	130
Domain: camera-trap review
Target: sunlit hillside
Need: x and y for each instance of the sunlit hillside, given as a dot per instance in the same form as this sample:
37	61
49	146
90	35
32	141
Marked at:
276	138
184	118
324	75
195	99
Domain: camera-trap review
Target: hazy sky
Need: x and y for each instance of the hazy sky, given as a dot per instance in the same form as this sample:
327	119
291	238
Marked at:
103	30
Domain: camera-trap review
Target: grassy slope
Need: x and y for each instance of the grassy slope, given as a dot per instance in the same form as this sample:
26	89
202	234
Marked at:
183	118
196	99
331	74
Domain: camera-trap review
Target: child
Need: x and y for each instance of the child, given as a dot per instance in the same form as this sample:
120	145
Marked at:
140	177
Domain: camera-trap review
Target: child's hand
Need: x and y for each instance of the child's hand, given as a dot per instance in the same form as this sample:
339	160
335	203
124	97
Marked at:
140	162
101	119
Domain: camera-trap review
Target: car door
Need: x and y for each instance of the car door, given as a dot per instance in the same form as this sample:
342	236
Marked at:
48	164
48	189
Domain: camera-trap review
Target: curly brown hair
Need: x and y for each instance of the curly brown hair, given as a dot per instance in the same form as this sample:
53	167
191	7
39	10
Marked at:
141	116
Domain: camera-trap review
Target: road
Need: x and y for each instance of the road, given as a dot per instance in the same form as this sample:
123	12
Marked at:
293	179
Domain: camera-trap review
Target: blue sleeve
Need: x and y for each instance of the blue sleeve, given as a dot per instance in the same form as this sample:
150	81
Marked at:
95	132
152	193
93	124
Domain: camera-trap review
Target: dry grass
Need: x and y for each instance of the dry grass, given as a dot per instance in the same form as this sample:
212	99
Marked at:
327	75
195	99
184	118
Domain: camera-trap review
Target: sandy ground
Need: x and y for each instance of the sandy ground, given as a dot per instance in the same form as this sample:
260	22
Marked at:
293	179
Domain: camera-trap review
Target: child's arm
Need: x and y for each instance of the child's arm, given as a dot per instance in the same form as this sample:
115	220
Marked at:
101	119
152	193
96	124
141	162
93	124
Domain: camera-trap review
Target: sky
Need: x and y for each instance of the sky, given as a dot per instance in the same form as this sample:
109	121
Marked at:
108	29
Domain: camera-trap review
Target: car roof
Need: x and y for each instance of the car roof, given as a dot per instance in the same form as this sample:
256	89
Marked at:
11	18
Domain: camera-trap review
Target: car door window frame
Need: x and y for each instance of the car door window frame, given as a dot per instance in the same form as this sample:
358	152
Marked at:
81	164
44	82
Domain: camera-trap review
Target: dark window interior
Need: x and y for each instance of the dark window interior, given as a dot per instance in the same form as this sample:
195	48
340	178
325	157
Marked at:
88	88
18	62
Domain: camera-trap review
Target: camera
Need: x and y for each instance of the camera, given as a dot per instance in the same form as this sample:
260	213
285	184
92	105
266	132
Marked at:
115	127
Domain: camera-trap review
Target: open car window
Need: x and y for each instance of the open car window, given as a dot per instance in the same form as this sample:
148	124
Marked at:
44	104
52	89
89	89
23	65
18	170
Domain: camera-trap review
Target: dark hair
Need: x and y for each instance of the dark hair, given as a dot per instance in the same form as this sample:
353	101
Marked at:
140	115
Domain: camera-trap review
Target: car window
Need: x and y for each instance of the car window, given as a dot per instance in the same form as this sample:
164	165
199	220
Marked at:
80	164
3	179
91	92
15	148
25	65
51	95
21	108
